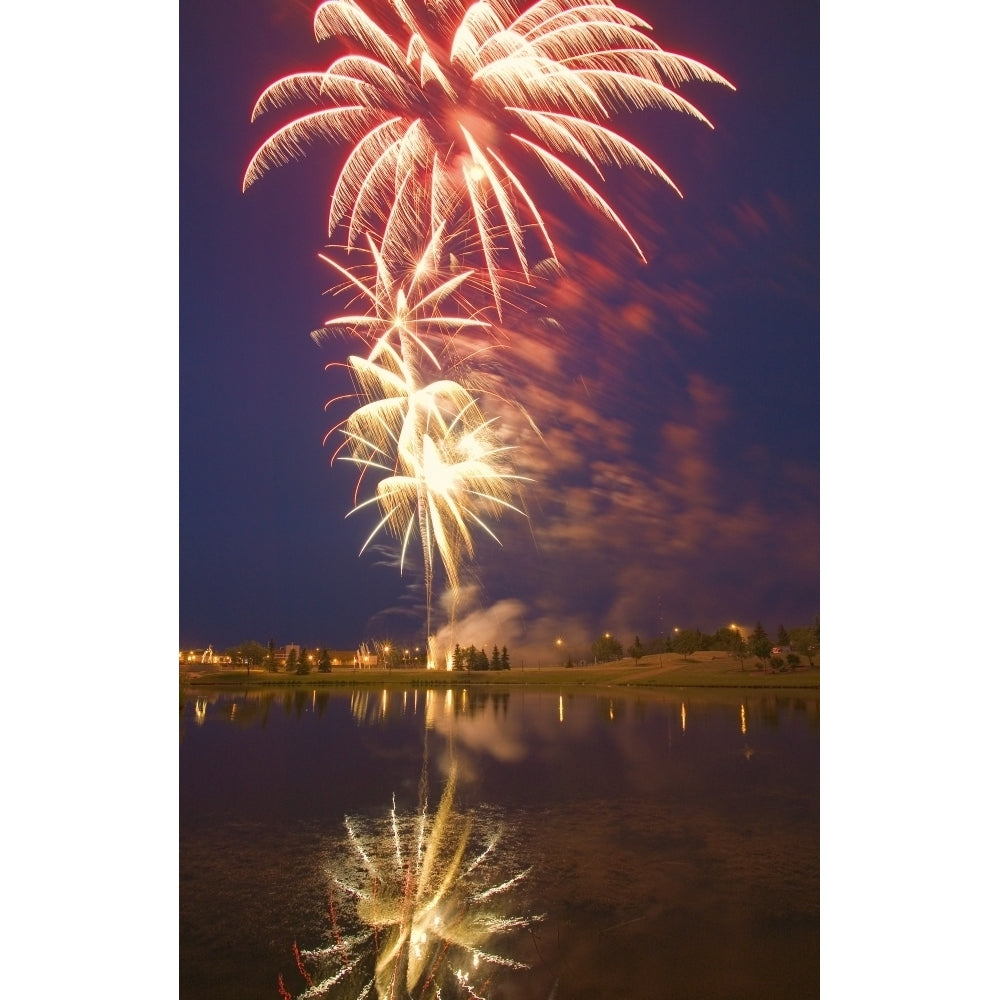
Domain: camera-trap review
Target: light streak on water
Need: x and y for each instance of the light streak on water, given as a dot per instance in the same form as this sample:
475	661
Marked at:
421	920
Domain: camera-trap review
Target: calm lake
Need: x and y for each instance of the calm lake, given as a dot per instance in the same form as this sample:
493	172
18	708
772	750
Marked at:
503	844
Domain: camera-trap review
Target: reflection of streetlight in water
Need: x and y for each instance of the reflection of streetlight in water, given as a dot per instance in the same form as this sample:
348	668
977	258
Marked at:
747	749
421	905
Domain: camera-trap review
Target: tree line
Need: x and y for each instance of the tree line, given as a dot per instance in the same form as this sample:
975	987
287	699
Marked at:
470	658
254	654
785	652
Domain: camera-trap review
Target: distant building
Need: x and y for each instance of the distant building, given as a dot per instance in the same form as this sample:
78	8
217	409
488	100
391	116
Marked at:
342	657
281	655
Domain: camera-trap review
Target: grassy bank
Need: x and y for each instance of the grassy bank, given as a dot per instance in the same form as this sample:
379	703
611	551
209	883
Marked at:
716	670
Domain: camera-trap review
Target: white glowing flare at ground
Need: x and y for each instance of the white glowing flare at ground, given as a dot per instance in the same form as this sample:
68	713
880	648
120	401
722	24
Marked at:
424	902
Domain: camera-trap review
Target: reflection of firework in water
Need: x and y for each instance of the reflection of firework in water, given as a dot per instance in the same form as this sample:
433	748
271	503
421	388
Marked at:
425	894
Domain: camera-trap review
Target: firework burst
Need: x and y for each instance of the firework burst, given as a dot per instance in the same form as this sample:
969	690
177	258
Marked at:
449	473
419	426
465	94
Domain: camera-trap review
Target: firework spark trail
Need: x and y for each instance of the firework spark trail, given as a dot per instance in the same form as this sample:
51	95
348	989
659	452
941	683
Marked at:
488	850
395	836
323	988
337	951
493	890
444	91
358	847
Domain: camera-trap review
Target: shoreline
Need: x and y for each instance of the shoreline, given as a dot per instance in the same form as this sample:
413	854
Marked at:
666	670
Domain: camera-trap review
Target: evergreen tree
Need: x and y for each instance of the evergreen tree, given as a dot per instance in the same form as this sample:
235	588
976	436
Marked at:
495	659
325	664
304	665
504	659
636	651
783	639
760	644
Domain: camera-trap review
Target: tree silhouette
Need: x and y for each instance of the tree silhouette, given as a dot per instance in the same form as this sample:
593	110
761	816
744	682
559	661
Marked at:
760	644
636	651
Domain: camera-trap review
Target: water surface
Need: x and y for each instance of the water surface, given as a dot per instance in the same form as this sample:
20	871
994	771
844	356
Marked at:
670	840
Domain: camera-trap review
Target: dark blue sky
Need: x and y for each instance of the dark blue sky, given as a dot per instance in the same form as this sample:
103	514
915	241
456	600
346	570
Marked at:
679	481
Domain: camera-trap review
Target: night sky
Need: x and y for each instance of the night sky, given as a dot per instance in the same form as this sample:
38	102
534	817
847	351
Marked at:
677	484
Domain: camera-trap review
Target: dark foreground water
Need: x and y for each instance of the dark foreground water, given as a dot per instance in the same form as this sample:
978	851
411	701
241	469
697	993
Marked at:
504	845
